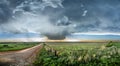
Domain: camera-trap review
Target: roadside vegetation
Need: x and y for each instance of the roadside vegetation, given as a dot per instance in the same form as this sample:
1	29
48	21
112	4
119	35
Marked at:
13	46
79	54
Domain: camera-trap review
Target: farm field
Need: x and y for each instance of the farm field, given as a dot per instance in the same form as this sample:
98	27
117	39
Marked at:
74	45
13	46
79	54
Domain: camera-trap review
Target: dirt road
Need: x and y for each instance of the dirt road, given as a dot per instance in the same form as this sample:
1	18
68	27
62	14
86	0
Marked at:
19	58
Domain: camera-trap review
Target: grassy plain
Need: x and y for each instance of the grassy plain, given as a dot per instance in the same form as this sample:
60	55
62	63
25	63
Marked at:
79	54
74	45
13	46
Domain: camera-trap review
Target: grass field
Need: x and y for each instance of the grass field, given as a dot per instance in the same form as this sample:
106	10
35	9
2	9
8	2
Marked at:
78	45
13	46
79	54
74	45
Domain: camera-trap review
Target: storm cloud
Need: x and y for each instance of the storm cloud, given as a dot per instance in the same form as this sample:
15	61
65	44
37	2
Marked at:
58	18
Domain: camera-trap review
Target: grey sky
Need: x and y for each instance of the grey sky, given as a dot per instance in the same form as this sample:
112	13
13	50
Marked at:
60	16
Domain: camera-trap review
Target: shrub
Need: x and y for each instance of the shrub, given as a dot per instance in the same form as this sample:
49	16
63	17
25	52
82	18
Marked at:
109	44
5	45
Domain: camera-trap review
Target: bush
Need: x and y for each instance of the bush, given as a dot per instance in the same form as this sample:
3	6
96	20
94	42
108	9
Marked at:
5	45
109	44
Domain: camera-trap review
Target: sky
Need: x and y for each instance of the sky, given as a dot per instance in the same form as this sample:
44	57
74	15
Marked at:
58	19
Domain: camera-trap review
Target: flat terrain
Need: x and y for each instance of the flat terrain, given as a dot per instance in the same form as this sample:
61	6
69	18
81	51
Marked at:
79	54
19	58
13	46
75	45
54	53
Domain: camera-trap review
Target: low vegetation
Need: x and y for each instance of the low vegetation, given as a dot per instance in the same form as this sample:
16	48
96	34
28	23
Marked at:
12	46
77	54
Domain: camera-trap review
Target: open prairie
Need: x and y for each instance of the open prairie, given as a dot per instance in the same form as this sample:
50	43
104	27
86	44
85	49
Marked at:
79	54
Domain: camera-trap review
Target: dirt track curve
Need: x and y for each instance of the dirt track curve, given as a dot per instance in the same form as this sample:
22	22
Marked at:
19	58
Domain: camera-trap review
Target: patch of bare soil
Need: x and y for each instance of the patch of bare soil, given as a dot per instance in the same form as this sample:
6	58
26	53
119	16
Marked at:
19	58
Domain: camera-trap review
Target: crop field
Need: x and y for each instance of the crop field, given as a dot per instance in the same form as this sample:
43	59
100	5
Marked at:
79	54
74	45
13	46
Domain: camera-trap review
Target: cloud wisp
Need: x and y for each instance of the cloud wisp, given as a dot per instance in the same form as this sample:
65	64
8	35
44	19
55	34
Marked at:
58	18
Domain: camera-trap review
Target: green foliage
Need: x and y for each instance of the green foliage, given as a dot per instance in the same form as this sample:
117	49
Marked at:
107	56
12	46
109	44
5	46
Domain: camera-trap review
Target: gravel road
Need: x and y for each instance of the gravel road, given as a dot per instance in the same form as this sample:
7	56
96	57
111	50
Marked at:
19	58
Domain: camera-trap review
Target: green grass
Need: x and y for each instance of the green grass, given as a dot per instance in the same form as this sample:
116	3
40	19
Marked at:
79	54
6	46
117	44
74	45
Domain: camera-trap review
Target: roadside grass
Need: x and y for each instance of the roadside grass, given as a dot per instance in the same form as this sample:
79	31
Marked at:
8	46
79	54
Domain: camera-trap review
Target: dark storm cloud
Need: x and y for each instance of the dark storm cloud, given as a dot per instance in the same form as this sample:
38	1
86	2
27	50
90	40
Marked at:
64	15
5	11
102	15
21	16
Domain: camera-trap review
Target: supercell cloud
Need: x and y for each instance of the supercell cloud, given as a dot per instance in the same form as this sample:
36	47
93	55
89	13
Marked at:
58	18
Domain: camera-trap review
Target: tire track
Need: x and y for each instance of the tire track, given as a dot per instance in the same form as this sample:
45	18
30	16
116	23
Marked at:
20	58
